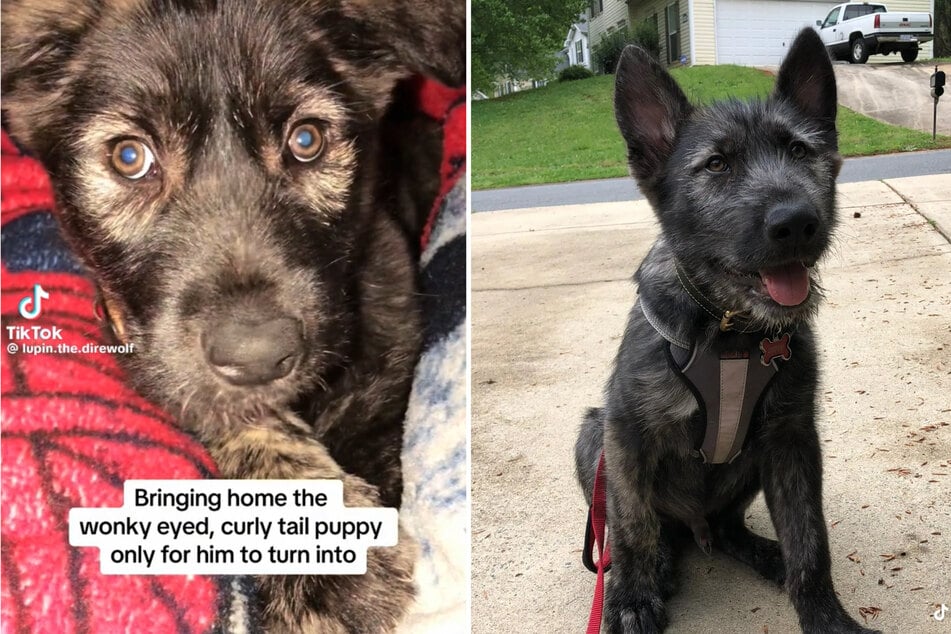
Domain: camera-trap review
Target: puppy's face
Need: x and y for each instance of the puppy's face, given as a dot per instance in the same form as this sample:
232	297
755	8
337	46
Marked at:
749	204
214	168
745	192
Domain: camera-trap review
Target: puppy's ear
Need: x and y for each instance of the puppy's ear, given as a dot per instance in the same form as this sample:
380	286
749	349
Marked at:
649	107
424	37
807	81
39	40
383	41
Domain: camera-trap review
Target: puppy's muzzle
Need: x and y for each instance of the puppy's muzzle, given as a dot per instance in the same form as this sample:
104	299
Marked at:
247	351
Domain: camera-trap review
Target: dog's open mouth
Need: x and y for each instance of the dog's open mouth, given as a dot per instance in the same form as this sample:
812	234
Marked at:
787	284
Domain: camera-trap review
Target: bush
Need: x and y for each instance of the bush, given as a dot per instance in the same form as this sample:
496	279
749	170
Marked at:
646	36
607	52
574	72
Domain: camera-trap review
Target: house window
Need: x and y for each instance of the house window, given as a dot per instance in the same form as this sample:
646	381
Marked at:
597	6
673	32
579	53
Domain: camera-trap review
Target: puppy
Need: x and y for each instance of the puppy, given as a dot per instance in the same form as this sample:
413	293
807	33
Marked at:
713	393
218	167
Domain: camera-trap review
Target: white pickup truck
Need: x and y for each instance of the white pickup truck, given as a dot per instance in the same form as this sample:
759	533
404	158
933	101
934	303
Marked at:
856	30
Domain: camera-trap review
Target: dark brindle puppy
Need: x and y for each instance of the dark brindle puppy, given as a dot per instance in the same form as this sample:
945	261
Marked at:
745	196
218	167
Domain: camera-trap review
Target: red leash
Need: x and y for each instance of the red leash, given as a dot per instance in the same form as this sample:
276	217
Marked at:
597	517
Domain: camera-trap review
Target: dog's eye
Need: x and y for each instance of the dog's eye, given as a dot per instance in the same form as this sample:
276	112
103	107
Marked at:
797	149
717	164
132	159
305	141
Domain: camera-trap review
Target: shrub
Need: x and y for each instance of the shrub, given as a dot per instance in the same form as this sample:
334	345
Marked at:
574	72
646	36
607	52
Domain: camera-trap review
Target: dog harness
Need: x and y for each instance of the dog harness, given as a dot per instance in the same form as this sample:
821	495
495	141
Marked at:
727	385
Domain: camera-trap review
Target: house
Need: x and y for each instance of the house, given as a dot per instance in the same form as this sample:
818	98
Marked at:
576	44
744	32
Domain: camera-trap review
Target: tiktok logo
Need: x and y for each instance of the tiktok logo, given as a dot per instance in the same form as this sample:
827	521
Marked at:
36	300
940	612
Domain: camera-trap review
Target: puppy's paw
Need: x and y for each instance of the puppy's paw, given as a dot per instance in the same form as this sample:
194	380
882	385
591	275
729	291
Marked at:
761	554
343	604
645	615
373	602
767	560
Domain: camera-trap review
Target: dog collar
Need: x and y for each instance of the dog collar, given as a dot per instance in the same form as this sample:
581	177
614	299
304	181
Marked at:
729	319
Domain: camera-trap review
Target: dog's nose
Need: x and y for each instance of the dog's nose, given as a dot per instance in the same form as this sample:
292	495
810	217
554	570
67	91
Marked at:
254	353
792	225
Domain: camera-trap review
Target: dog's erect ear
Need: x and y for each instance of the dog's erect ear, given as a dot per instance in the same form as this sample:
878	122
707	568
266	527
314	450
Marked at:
383	41
39	40
807	81
649	107
425	37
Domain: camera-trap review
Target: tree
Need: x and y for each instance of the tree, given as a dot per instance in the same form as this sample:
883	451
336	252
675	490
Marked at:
518	38
942	28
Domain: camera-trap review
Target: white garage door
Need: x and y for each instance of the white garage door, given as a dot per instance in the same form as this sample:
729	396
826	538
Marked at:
758	32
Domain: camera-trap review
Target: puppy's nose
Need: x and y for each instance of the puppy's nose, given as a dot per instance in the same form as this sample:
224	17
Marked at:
253	353
792	225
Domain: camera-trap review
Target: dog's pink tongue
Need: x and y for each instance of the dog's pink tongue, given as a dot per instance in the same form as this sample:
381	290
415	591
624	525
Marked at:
788	285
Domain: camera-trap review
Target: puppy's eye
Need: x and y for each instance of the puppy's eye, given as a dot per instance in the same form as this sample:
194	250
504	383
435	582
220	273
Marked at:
132	159
305	141
717	164
797	149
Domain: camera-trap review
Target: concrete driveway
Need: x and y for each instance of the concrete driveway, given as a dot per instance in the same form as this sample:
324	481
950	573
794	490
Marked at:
894	92
550	295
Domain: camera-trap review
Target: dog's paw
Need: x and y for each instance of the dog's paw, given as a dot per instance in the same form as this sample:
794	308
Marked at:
767	560
645	616
330	604
761	554
341	604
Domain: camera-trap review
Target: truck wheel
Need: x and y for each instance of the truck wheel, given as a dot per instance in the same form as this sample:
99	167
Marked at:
909	54
859	51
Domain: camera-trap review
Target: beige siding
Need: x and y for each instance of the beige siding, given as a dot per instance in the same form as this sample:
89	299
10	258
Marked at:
704	32
614	12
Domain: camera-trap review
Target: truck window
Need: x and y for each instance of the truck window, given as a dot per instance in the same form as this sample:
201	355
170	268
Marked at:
831	18
858	10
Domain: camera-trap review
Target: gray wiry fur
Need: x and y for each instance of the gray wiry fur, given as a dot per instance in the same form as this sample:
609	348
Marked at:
230	231
718	224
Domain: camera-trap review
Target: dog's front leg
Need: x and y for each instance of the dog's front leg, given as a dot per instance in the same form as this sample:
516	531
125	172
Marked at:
792	482
640	556
372	603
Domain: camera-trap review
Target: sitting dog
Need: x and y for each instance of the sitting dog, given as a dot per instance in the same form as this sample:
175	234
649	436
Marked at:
713	393
220	169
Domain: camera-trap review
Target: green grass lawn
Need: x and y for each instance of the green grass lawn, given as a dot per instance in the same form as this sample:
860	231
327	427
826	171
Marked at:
566	131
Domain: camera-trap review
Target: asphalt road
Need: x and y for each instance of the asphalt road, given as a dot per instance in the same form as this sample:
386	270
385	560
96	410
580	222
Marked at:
621	189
